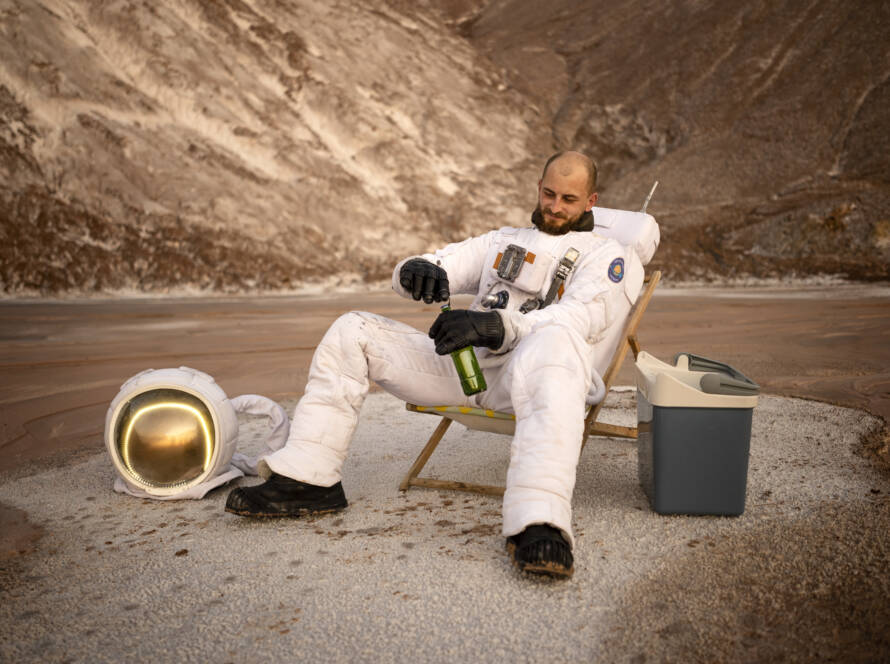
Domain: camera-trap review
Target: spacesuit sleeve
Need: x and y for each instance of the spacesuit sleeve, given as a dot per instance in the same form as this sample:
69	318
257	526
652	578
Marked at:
598	294
462	261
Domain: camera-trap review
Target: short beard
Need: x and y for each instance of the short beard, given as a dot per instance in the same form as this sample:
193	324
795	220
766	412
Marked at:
561	227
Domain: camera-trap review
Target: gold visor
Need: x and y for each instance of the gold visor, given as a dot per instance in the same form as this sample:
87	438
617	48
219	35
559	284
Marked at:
165	437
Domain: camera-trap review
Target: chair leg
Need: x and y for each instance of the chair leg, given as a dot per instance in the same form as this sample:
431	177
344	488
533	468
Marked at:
634	344
612	430
411	479
450	485
425	453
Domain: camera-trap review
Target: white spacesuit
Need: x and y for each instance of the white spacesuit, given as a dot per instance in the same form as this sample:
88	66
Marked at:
547	366
558	294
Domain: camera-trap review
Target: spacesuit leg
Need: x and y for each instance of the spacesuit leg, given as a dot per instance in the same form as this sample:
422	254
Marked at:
358	347
546	380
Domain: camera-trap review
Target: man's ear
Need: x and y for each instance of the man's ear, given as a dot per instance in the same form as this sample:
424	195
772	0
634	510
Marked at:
591	201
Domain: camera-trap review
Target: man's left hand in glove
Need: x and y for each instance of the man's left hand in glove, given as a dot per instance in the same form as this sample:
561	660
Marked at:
458	328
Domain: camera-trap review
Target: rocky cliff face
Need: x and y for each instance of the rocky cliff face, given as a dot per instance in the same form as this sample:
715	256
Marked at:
766	123
245	145
241	145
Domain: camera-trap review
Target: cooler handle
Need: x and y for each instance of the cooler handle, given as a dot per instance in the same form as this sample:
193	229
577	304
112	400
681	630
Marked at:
720	378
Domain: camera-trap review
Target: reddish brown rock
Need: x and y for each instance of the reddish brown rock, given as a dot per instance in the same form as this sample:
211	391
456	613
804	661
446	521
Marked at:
221	147
765	123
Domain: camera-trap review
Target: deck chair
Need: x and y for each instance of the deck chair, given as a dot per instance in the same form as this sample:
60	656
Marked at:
634	228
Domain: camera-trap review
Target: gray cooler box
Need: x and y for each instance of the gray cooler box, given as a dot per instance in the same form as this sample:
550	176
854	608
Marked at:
694	433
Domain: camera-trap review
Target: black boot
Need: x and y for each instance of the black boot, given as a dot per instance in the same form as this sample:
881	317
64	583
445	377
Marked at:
282	496
542	549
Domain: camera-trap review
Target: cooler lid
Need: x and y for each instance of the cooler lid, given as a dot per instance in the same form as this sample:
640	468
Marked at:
694	382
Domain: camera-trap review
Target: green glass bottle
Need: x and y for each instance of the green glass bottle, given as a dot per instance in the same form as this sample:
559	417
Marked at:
471	379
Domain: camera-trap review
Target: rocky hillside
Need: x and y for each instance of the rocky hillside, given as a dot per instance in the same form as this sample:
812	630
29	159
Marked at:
239	145
242	145
766	123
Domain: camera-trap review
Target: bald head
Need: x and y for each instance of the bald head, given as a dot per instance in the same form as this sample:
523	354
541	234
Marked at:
566	192
565	163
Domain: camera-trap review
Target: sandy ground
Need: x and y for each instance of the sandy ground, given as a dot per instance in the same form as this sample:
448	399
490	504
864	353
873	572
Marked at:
88	575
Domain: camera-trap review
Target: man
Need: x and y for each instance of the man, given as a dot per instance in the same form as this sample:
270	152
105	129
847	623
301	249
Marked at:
536	354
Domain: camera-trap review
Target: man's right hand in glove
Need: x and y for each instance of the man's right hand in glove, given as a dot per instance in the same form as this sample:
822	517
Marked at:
424	280
458	328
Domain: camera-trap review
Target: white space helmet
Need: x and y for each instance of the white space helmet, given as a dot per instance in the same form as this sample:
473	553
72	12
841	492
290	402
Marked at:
170	431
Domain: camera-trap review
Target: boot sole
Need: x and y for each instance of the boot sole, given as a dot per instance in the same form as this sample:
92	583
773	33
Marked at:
553	570
284	515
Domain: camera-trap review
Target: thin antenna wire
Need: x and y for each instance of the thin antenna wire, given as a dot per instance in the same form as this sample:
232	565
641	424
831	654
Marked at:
649	197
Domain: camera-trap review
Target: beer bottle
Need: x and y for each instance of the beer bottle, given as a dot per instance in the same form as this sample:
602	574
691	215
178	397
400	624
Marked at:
471	379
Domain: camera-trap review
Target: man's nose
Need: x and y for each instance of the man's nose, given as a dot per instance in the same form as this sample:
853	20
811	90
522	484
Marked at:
556	205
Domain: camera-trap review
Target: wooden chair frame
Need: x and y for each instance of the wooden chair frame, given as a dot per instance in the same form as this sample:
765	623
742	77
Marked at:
504	423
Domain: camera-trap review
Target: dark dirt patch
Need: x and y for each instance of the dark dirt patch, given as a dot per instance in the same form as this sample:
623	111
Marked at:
875	445
817	593
18	536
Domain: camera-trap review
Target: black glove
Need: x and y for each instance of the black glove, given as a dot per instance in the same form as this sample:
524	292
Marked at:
424	280
457	328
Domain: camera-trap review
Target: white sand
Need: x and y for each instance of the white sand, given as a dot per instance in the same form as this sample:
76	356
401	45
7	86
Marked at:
421	576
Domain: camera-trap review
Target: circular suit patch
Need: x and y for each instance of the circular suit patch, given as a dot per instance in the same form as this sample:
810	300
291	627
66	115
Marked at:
616	270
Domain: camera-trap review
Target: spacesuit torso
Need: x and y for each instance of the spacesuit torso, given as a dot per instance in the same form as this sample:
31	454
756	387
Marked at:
600	289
